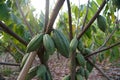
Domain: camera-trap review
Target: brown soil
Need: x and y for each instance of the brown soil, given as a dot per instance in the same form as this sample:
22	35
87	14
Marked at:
59	67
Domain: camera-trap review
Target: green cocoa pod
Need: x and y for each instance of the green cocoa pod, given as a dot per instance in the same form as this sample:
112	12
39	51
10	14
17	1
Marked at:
61	43
87	51
24	60
80	46
80	59
41	70
35	42
48	44
73	44
102	24
81	71
32	73
89	66
79	77
86	74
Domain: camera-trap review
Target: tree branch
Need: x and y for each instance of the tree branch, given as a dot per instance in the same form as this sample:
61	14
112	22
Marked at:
24	19
70	20
104	49
98	69
10	64
73	66
54	14
92	20
46	14
10	32
26	66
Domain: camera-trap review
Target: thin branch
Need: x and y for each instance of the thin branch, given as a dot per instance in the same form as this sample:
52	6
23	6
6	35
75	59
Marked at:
84	21
10	32
46	14
92	20
24	19
104	49
98	69
17	48
70	20
10	64
78	20
108	38
54	14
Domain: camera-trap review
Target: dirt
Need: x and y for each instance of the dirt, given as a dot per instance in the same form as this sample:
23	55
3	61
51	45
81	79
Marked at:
59	67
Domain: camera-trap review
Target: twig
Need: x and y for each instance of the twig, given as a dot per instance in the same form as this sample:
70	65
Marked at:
84	21
98	69
109	37
10	32
24	19
70	20
17	48
103	49
10	64
92	20
46	14
54	14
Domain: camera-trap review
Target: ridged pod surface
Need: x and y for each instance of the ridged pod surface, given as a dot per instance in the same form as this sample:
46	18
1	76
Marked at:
81	71
86	74
80	46
73	44
79	77
61	43
35	42
80	59
32	73
48	44
89	66
102	24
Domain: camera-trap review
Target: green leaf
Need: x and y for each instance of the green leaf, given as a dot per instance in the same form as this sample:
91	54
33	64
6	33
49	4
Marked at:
101	57
114	54
99	1
75	10
88	33
15	19
4	12
94	6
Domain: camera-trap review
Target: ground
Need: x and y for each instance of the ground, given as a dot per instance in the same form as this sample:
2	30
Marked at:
59	67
